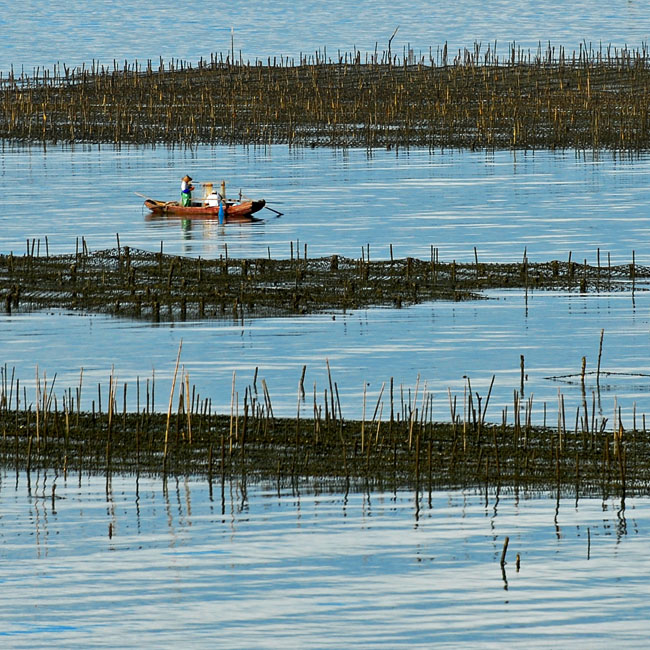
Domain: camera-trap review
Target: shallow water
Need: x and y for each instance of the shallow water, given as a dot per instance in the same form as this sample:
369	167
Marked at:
441	343
503	203
140	563
42	34
547	204
133	563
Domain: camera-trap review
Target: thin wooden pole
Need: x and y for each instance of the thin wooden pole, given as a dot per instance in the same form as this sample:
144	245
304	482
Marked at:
171	397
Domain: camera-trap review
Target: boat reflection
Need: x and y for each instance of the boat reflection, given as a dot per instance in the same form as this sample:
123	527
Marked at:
200	228
188	220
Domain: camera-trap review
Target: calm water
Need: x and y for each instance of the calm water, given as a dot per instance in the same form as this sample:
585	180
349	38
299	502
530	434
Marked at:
441	343
146	564
142	563
336	202
41	33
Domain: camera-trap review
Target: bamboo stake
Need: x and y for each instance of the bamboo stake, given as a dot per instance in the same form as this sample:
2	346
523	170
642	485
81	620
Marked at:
363	418
413	409
189	409
232	403
171	397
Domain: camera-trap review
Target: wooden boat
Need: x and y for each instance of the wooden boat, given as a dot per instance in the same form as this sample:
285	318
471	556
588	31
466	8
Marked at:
234	211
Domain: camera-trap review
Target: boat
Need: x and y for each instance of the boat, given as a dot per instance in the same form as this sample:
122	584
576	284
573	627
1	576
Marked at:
234	211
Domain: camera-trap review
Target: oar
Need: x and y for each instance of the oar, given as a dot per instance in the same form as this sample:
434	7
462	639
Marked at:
272	210
266	206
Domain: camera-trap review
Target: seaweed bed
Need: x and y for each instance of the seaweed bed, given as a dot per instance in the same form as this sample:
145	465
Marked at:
591	99
399	452
404	447
139	284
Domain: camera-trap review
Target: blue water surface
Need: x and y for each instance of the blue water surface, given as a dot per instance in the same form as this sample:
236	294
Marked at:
41	34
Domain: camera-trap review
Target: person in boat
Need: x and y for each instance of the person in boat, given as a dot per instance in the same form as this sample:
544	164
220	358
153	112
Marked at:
186	191
213	199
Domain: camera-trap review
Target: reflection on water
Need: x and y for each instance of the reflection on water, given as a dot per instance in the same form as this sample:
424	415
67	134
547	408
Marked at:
550	205
43	35
547	204
147	562
139	562
446	344
200	229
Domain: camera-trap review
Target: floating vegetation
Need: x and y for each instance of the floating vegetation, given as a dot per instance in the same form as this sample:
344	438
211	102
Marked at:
138	284
590	99
399	445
